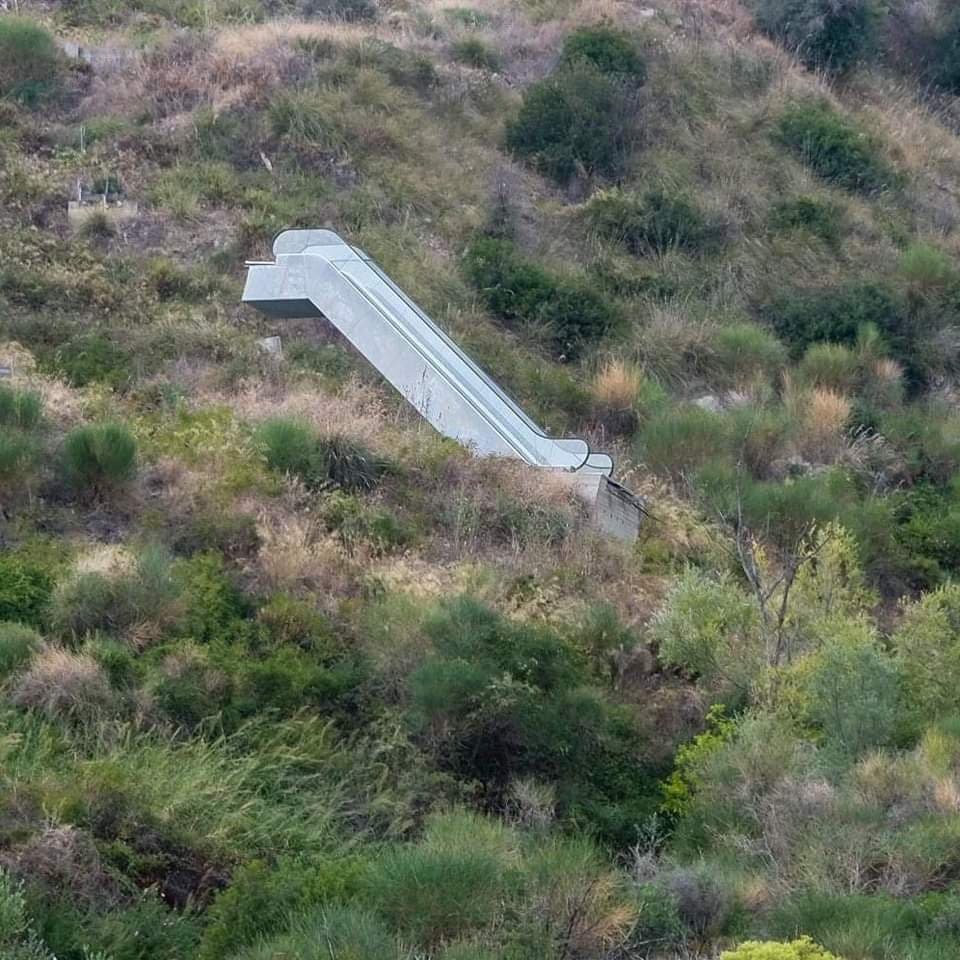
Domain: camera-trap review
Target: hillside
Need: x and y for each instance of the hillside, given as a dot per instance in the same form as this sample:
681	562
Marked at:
283	674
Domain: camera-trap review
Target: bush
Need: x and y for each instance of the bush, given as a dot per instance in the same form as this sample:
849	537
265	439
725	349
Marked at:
830	365
835	148
852	689
21	409
342	933
101	458
19	456
450	883
654	223
262	898
475	53
578	120
29	61
832	35
745	352
350	10
710	628
25	590
610	50
517	289
678	442
927	645
802	949
293	447
63	684
93	358
141	593
838	315
821	218
17	645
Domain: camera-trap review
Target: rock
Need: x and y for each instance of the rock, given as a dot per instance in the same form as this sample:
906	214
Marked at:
709	402
271	345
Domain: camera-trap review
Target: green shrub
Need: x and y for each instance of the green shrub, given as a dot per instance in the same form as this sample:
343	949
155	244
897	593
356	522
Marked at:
475	53
29	60
20	408
678	442
499	700
832	35
350	10
356	523
262	898
837	315
17	645
852	686
927	645
345	933
25	589
144	592
293	447
830	365
517	289
710	628
92	358
450	883
100	458
578	120
943	65
821	218
654	223
756	437
214	608
745	352
610	50
19	456
835	148
802	949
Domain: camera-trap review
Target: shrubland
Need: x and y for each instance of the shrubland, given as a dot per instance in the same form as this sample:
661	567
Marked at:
282	670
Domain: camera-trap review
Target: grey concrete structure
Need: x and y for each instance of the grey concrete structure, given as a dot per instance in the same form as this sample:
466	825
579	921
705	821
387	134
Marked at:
317	274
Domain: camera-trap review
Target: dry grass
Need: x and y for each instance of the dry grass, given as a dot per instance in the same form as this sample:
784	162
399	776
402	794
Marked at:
60	683
820	416
298	557
616	385
65	860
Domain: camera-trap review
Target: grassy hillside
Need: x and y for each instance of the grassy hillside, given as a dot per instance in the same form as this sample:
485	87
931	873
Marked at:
283	674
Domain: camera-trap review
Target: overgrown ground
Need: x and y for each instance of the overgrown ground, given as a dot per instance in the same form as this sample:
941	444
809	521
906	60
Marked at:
284	674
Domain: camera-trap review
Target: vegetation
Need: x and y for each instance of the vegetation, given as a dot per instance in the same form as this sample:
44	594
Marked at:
282	671
29	61
575	122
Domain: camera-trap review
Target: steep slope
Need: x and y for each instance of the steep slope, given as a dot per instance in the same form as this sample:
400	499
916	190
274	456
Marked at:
280	666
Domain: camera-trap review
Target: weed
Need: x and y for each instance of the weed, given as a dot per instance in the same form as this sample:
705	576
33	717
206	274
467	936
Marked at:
475	53
834	147
820	218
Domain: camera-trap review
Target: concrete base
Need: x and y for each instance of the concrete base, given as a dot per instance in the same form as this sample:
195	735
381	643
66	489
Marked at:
614	510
